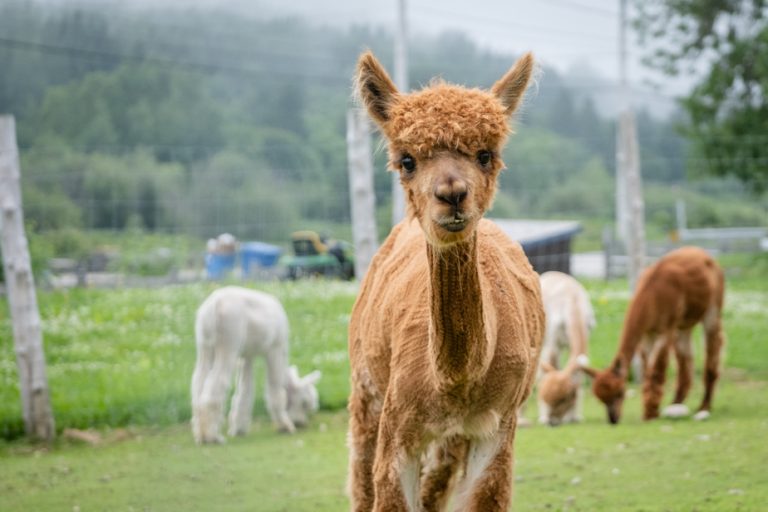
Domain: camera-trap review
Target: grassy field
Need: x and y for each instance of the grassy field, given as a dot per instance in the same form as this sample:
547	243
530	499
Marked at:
665	465
121	358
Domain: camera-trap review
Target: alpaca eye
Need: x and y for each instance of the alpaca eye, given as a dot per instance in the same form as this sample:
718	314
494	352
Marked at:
484	157
408	163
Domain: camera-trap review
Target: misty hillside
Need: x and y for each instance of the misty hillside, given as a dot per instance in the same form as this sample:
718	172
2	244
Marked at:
199	121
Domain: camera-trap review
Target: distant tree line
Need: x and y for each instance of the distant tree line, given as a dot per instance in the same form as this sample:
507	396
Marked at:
189	121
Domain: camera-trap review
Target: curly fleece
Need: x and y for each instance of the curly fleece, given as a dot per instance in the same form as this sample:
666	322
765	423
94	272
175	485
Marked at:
445	116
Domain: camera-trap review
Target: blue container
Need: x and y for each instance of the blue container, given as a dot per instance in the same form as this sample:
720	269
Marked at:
255	255
219	265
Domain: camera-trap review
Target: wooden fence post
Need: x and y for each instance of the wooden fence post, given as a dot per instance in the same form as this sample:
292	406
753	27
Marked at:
362	198
20	286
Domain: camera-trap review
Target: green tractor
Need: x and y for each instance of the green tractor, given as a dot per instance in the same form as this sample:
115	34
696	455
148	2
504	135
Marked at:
315	255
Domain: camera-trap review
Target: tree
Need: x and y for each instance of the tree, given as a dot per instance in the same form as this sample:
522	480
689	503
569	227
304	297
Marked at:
728	107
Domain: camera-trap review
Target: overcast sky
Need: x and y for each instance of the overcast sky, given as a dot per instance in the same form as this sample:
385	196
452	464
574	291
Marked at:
567	34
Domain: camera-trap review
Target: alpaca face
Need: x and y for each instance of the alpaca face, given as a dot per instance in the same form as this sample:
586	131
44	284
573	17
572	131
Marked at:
301	396
445	142
609	386
302	403
559	390
448	193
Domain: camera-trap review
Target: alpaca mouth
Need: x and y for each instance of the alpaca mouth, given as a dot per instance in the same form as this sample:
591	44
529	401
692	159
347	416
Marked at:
454	224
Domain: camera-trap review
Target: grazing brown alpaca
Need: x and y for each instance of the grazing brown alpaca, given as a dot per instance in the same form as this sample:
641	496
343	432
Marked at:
683	288
445	335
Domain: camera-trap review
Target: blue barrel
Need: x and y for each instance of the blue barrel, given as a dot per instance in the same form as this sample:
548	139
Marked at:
255	255
219	265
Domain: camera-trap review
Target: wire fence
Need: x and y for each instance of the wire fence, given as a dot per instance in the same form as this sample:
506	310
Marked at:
103	228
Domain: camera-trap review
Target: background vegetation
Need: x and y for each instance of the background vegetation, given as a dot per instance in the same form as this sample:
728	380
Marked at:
200	122
727	115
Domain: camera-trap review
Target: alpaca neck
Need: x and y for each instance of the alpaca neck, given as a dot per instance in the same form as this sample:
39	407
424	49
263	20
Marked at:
578	332
457	341
631	335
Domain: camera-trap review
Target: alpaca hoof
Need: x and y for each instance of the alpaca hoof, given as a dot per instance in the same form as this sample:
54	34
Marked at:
701	415
676	411
211	440
286	429
237	432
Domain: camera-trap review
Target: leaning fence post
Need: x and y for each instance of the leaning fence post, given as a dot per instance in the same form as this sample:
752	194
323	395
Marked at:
362	198
20	286
608	252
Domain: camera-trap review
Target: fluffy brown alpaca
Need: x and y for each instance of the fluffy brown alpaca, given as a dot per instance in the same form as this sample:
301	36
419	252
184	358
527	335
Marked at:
445	335
683	288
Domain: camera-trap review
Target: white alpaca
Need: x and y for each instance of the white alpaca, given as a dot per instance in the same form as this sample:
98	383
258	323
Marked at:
233	326
570	319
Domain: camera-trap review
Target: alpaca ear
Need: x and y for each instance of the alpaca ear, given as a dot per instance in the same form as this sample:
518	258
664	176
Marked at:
311	378
293	376
617	369
511	87
375	88
589	371
546	367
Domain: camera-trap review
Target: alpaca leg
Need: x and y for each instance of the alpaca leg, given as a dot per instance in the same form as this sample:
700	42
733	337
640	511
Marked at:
487	484
363	430
396	468
656	374
573	415
445	462
277	399
211	405
684	357
544	411
241	411
714	342
202	369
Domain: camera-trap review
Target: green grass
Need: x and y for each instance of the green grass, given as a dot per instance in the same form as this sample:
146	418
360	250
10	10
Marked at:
664	465
120	357
124	357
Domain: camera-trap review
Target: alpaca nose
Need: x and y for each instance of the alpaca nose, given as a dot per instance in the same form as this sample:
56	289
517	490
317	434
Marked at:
451	191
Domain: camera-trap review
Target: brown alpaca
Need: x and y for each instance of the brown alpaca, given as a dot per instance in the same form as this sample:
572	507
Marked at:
683	288
445	335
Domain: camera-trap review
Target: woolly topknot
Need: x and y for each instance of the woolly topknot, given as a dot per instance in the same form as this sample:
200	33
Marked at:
450	117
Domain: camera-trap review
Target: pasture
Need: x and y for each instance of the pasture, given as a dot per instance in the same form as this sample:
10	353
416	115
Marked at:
120	361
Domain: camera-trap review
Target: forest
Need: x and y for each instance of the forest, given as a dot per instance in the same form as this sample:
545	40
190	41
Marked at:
199	122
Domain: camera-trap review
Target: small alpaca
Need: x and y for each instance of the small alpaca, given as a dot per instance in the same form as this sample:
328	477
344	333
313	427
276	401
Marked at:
570	319
683	288
445	334
233	326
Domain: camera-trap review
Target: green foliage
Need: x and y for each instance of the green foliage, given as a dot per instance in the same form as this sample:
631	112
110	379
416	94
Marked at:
232	193
229	123
588	192
57	181
134	105
727	109
701	210
539	161
49	210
